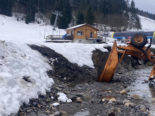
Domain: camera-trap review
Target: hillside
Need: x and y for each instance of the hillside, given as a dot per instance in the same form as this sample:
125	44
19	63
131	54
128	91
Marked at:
111	12
147	23
19	31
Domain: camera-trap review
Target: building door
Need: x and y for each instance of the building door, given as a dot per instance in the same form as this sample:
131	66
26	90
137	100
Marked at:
91	35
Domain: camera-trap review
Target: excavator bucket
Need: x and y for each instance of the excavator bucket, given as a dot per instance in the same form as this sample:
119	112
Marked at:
111	65
152	75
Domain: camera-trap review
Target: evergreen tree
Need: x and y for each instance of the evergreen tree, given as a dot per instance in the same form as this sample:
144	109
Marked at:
30	11
80	18
132	8
134	21
108	10
90	16
64	21
6	7
52	19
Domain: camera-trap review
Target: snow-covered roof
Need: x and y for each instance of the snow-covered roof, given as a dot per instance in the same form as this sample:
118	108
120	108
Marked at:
78	26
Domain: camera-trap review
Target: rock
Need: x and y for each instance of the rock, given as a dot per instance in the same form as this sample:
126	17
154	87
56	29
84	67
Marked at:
119	102
59	89
85	97
129	104
57	113
112	100
103	100
153	100
143	108
47	112
29	110
114	111
109	91
60	113
79	100
63	113
39	106
123	92
119	110
47	100
136	97
146	81
126	101
109	99
111	114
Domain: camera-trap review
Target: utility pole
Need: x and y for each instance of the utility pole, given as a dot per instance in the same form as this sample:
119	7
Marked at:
57	14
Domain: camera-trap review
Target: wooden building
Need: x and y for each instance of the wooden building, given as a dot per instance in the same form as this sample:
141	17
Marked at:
83	32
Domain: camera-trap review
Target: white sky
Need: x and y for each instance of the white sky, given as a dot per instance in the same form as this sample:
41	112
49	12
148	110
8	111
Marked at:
146	5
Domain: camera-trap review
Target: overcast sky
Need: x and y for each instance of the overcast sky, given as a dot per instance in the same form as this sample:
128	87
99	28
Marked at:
146	5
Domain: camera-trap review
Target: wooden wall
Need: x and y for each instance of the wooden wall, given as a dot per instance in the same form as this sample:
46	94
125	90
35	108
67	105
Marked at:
86	30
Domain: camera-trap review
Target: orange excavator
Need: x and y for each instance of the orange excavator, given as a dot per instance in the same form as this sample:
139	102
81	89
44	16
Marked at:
138	47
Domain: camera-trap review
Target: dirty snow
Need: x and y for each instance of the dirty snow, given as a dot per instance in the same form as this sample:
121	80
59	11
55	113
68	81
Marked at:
56	104
77	53
17	63
63	98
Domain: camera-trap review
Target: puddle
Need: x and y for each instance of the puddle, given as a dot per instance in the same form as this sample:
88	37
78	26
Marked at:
84	113
139	87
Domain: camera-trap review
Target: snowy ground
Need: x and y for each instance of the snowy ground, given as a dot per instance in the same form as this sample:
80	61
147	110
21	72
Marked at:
147	24
17	31
17	60
76	53
22	76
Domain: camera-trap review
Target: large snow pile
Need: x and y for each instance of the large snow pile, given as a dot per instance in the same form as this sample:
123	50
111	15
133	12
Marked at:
22	76
77	53
147	24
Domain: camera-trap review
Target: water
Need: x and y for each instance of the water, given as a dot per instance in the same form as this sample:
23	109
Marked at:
139	87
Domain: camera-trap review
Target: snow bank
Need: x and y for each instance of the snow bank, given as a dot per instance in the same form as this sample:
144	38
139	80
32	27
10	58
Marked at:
77	53
22	76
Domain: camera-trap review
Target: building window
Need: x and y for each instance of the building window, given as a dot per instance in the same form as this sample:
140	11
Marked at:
79	33
91	34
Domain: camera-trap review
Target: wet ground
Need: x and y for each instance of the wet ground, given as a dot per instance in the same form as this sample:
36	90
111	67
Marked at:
141	87
127	95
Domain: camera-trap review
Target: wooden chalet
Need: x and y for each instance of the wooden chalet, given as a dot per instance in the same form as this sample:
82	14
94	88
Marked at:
83	32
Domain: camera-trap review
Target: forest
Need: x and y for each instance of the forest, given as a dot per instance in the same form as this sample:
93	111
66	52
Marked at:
115	13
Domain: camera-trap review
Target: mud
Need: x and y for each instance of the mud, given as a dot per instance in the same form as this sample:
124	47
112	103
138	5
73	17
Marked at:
81	83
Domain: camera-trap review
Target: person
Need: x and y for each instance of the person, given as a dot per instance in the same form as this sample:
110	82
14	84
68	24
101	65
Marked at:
64	36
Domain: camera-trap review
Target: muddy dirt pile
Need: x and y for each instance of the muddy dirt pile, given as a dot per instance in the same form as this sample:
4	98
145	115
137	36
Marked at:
89	97
63	69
